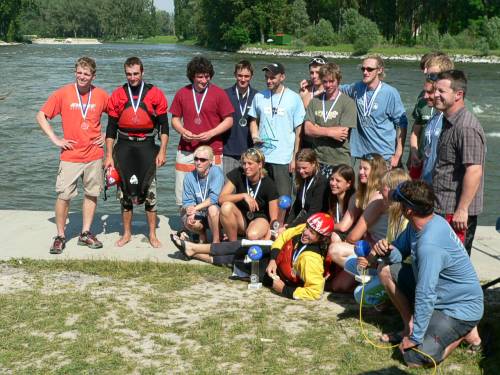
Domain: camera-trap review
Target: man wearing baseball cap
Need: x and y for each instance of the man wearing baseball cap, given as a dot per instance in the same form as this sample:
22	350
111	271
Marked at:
276	117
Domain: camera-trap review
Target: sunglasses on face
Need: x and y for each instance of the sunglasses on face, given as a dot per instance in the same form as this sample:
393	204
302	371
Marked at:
202	160
368	69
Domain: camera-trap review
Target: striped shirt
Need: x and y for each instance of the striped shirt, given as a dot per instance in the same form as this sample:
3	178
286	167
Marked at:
462	142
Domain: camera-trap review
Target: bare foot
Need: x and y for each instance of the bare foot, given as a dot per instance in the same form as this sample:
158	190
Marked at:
123	240
153	240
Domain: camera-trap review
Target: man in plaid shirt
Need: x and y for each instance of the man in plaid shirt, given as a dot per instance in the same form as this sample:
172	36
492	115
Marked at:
458	173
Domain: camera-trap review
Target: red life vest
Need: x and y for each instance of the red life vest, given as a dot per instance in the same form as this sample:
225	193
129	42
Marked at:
284	261
142	120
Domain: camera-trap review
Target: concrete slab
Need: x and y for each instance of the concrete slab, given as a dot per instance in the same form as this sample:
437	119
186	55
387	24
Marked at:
28	234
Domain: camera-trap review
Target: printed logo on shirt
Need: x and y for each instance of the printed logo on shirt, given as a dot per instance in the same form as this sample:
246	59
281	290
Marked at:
332	115
76	107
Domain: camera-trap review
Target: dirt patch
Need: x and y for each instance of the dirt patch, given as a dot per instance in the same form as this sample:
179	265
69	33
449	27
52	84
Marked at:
13	279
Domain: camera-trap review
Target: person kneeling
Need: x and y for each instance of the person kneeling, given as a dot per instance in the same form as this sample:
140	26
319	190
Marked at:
438	295
200	195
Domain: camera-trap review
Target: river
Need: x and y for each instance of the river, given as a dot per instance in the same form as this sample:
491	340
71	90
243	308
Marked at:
32	72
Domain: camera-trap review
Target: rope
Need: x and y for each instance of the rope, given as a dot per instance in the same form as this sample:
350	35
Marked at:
378	346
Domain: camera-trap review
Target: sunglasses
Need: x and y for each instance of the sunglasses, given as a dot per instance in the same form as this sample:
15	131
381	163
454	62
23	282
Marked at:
431	77
203	160
317	60
368	69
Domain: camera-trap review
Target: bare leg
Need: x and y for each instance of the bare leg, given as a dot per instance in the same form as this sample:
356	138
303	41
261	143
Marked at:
258	229
343	282
153	240
61	211
473	337
204	258
88	208
193	249
340	251
127	228
398	299
213	223
232	220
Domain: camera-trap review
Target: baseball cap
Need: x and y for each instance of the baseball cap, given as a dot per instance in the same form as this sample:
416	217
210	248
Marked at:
275	68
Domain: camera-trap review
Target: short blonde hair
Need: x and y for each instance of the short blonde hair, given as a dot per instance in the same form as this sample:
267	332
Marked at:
207	149
86	62
442	62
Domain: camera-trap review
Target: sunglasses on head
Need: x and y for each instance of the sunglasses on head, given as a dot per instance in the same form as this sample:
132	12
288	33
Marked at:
367	68
317	60
203	160
431	77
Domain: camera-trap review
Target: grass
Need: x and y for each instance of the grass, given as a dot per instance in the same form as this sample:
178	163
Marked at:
116	317
384	50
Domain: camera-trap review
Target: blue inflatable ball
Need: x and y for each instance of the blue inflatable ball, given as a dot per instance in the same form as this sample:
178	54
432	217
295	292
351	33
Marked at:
284	202
362	248
255	252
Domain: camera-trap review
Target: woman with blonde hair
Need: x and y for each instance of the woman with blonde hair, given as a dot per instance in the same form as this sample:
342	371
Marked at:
249	199
311	188
381	219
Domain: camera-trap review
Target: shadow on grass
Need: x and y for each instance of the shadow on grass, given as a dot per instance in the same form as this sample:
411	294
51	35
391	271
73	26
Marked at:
489	329
392	370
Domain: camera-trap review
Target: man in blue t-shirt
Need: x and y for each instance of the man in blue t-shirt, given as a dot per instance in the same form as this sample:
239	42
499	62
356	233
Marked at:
382	120
438	295
237	139
277	115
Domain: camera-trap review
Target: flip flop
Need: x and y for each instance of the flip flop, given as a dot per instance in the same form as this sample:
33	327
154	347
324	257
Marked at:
391	338
180	245
183	235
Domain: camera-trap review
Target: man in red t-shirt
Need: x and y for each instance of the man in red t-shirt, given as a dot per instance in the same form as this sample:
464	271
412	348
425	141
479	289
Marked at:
201	114
137	112
80	105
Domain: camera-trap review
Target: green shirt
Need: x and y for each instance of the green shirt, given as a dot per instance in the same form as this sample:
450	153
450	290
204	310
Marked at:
343	114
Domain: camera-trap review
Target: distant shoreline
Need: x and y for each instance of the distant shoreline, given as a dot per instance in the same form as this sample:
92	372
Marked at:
65	41
347	55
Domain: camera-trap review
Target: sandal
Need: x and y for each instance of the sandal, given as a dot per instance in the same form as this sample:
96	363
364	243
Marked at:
391	338
183	235
180	245
474	348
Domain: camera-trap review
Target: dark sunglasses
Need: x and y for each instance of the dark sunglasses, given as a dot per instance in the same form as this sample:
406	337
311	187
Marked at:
203	160
367	68
431	77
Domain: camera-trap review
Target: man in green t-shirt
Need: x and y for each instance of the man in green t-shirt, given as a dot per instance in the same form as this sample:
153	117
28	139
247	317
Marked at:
329	118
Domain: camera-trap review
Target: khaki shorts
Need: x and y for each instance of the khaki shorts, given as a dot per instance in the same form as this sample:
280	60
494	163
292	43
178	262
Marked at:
69	173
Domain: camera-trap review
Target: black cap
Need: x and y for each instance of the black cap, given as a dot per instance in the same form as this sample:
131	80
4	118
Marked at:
275	68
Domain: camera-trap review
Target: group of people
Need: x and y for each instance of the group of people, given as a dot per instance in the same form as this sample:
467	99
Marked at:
337	148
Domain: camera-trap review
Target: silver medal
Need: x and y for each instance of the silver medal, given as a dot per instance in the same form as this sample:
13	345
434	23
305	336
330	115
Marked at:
250	215
197	120
243	121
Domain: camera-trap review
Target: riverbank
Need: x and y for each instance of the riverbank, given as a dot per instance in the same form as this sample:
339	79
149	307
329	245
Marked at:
2	43
79	41
290	52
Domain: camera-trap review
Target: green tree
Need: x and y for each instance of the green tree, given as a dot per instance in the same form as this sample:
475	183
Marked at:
321	34
299	19
9	13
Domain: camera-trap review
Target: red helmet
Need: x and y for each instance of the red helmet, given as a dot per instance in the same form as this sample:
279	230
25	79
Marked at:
321	223
112	177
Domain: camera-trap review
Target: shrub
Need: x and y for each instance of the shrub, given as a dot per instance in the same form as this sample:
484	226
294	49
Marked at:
492	32
448	42
360	31
321	34
235	37
482	46
429	35
465	39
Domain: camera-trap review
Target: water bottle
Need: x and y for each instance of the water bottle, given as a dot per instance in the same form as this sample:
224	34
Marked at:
255	254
